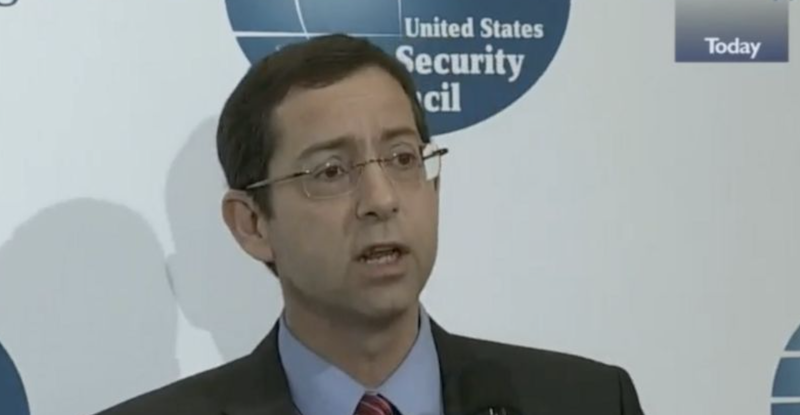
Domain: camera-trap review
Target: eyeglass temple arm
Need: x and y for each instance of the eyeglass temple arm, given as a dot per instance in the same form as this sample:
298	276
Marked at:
440	152
267	182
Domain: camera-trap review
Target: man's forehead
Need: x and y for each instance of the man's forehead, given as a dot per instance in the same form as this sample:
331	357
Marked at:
365	106
368	88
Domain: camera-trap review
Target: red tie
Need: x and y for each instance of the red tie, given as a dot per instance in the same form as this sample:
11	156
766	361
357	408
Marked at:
374	405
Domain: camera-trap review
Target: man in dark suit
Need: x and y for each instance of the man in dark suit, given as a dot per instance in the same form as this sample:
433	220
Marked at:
334	185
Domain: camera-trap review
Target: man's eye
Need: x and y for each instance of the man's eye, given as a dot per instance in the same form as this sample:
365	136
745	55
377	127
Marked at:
329	172
405	159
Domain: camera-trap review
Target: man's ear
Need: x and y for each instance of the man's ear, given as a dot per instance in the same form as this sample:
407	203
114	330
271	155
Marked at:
247	224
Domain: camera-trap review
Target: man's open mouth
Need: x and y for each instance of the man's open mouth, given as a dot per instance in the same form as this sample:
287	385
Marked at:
382	254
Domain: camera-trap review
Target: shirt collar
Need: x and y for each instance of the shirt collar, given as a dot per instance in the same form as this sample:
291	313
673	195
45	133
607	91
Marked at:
320	388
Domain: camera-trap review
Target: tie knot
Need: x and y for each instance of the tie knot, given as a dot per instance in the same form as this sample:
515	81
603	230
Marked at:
374	405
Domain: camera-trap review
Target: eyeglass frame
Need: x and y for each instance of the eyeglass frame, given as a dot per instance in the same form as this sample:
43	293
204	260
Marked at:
437	152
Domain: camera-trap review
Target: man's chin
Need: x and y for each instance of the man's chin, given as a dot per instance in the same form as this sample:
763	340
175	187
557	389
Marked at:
383	315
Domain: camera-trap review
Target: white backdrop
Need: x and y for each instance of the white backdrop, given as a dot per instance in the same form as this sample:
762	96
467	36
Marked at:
627	208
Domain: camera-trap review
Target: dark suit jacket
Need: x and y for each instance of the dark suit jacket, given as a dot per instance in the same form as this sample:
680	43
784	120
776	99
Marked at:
547	383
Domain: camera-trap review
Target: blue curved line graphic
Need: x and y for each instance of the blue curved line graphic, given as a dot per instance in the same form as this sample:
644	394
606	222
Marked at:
301	18
794	342
13	400
787	379
785	409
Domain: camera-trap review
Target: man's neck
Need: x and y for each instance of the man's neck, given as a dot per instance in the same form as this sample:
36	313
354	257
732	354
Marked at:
369	353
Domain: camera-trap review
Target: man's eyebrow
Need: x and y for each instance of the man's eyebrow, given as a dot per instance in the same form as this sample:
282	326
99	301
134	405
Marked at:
332	144
397	132
349	141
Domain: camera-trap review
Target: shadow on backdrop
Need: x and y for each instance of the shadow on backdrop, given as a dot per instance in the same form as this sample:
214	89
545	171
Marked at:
87	311
220	288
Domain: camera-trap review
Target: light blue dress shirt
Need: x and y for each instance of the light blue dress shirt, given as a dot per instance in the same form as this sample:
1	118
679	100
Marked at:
320	388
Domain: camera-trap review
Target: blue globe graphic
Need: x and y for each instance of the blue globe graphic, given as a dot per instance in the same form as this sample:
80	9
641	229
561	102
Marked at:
12	395
485	86
786	389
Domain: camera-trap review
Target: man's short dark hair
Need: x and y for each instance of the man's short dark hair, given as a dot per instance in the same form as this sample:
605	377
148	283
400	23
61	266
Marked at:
247	136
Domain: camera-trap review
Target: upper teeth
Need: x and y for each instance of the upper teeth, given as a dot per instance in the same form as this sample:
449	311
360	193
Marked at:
381	255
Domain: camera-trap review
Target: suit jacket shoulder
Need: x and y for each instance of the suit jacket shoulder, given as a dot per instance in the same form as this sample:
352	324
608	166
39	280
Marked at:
549	382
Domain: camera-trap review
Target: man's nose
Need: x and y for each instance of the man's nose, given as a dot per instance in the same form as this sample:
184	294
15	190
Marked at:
377	195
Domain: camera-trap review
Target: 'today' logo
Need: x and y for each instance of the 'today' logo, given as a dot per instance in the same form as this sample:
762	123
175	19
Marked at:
12	395
786	390
731	31
470	58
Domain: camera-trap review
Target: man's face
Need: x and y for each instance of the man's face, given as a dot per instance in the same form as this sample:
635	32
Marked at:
319	244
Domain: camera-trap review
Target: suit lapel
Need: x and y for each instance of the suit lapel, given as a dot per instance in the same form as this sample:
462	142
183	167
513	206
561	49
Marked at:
261	387
454	357
457	355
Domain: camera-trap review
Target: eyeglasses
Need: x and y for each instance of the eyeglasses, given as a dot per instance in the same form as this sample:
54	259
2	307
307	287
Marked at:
405	163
